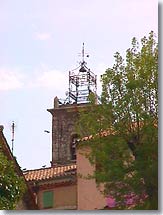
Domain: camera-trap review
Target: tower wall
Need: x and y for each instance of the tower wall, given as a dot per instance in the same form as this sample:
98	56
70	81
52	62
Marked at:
64	118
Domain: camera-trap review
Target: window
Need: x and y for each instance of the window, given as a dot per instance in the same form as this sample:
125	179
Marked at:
48	199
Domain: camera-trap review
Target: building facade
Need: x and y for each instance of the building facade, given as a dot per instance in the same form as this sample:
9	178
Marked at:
90	197
54	187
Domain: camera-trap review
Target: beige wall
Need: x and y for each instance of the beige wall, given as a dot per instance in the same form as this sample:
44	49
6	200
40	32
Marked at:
89	197
65	197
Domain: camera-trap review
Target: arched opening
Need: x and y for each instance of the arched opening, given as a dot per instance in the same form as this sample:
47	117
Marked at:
73	143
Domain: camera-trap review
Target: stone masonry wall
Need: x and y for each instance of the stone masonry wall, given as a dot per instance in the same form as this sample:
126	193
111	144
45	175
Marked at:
63	128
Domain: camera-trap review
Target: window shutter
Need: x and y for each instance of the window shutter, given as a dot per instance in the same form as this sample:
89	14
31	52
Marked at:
48	199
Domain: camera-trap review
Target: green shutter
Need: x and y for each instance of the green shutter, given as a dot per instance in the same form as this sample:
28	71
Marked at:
48	199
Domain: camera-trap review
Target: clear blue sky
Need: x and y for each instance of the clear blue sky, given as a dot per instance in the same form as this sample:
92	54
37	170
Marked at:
39	43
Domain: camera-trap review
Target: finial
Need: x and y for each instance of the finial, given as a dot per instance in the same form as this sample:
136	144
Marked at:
56	102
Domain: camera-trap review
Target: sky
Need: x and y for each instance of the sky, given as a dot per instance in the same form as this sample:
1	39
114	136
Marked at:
40	42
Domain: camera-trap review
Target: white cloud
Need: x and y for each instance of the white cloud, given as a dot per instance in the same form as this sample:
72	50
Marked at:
10	79
42	36
42	77
52	79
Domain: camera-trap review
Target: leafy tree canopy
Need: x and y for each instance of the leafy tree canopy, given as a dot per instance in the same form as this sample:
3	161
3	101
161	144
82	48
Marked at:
12	186
124	126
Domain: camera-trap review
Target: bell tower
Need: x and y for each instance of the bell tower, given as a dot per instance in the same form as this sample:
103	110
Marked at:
82	82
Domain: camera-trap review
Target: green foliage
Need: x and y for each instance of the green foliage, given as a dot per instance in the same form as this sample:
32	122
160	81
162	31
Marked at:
127	157
12	186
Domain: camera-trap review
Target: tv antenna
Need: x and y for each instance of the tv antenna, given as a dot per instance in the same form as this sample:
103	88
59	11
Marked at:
13	133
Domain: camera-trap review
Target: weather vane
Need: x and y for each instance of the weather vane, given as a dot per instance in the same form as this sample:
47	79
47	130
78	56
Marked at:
83	54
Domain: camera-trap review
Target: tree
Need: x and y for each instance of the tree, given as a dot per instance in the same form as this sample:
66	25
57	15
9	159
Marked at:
124	127
12	186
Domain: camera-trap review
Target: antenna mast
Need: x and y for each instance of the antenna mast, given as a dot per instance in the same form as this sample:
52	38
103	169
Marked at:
13	132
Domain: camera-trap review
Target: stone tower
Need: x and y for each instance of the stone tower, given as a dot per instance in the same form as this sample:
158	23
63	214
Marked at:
63	132
64	115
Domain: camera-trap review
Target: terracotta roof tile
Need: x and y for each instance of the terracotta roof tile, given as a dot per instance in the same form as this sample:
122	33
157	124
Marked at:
102	134
49	173
106	133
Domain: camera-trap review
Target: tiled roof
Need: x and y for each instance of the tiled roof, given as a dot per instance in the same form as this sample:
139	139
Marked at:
49	173
106	133
101	134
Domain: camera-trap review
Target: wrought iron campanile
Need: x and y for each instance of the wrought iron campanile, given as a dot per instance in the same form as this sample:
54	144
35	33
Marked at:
82	82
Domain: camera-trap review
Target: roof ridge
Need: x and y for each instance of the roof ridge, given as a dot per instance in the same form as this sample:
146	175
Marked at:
51	167
49	173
